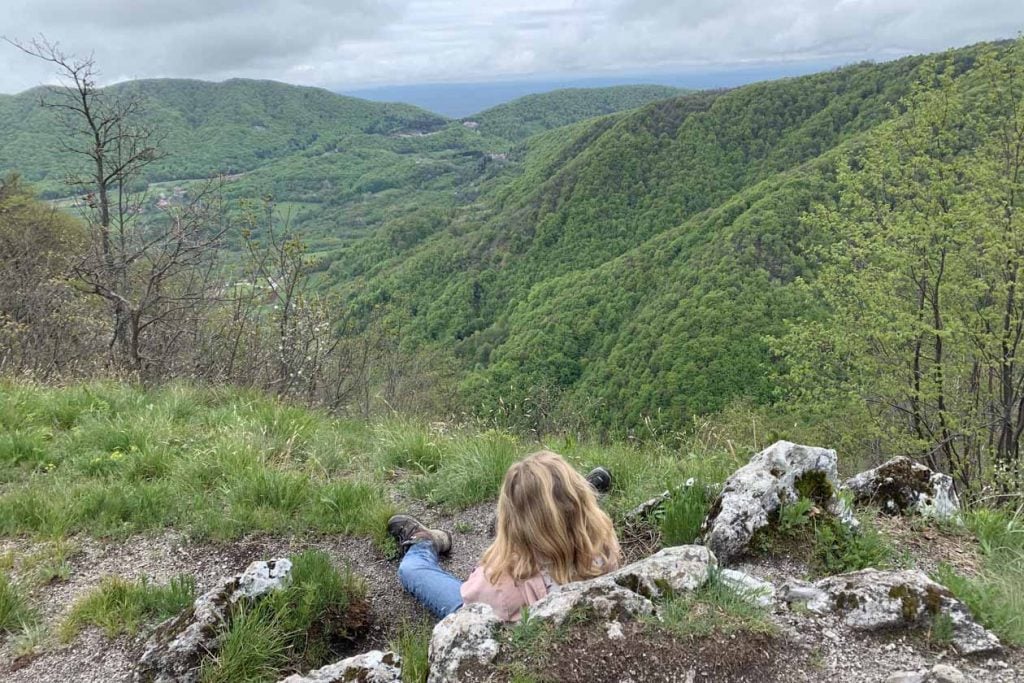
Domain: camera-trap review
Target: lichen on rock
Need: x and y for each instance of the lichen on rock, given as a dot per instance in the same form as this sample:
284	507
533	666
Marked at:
902	485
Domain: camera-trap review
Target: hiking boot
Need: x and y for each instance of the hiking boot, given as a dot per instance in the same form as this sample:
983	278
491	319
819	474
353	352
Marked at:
600	479
406	530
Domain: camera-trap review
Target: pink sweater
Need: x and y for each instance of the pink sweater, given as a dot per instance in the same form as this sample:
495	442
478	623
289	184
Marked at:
507	596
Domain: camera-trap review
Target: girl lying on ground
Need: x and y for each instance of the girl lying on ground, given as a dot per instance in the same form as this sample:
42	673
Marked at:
550	531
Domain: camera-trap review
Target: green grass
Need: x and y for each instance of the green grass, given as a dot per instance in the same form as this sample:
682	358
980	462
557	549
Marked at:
119	606
113	460
995	594
684	513
412	643
254	649
15	611
300	627
714	608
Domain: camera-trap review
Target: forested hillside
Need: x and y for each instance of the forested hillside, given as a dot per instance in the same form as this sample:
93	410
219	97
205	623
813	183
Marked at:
532	114
634	265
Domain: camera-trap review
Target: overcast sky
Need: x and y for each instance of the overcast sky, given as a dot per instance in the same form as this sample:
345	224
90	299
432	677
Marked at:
354	43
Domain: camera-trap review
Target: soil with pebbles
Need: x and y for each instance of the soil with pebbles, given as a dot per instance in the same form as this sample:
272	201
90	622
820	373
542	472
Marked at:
805	648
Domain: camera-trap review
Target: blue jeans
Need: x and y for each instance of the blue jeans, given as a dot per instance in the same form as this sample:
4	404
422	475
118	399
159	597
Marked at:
421	575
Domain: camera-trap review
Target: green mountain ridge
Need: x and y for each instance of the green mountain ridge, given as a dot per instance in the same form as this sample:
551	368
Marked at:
532	114
632	266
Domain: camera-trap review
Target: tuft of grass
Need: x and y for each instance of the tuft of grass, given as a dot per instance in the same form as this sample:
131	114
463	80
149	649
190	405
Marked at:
995	594
409	445
30	639
473	470
14	607
412	643
50	563
113	460
254	649
119	606
837	549
715	607
684	513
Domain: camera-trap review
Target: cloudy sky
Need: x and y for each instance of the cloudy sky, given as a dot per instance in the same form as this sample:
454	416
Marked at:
354	43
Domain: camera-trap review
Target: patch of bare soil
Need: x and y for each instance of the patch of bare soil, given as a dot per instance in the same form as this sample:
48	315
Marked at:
648	653
929	545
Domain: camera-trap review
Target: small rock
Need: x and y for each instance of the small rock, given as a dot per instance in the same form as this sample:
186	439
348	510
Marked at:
907	677
676	569
370	667
871	600
605	598
614	630
176	650
750	587
944	673
644	509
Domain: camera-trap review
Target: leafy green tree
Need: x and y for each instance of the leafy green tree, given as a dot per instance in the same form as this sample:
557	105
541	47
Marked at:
926	314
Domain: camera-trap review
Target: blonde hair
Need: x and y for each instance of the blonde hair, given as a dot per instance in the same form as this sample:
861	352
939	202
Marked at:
548	519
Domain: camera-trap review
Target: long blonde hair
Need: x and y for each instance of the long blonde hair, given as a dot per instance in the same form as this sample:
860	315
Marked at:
548	518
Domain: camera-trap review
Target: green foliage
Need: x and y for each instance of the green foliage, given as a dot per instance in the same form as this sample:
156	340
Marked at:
684	513
412	643
920	276
14	607
623	272
299	627
995	594
714	608
473	470
253	649
216	463
121	606
830	547
838	549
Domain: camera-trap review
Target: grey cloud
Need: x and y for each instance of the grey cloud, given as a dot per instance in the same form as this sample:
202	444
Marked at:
352	42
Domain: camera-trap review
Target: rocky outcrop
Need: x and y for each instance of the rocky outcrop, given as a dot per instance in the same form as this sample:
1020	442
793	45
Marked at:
602	598
463	644
875	600
370	667
904	486
752	496
466	643
175	651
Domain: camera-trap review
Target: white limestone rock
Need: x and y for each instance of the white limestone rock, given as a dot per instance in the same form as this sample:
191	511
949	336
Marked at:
750	588
463	644
872	599
370	667
902	486
755	492
671	570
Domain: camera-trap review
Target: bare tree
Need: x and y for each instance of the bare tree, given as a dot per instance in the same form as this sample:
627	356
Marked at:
152	267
